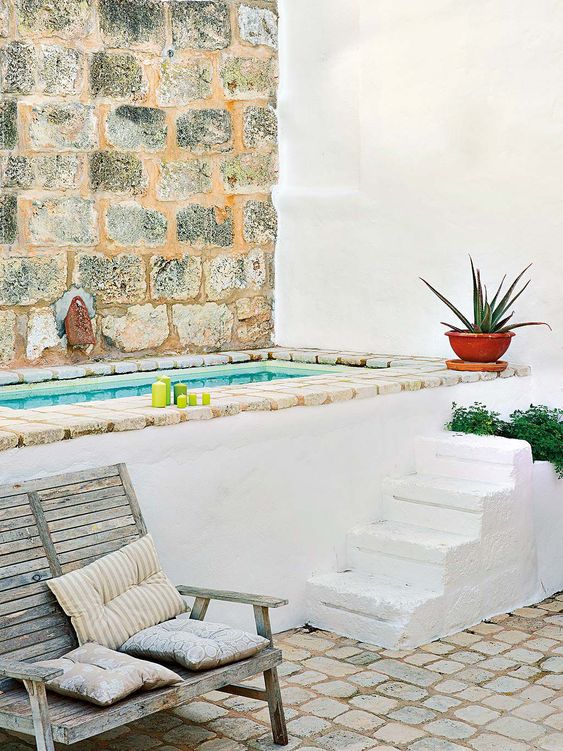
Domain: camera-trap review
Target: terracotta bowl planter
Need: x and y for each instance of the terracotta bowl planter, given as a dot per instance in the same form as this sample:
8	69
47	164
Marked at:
479	347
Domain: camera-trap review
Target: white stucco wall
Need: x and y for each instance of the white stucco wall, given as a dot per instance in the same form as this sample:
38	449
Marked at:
412	134
262	501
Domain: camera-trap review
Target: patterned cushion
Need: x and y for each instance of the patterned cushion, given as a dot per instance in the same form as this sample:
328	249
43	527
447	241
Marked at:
118	595
197	645
102	676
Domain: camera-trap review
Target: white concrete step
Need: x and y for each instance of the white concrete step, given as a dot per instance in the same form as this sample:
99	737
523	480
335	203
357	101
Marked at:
370	608
404	553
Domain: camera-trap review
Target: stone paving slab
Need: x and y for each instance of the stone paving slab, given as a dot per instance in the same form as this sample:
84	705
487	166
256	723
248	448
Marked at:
343	695
368	375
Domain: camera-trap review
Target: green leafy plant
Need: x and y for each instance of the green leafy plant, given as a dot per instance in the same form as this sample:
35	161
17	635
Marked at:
540	426
489	316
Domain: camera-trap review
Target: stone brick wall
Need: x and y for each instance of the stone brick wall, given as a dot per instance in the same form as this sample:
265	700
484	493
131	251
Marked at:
137	155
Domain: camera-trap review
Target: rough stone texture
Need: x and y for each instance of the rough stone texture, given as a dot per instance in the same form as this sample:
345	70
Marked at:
176	278
127	128
206	326
117	173
260	127
111	279
248	78
60	69
132	224
258	25
204	130
7	335
204	226
131	22
63	126
117	76
260	222
182	83
201	24
17	68
64	221
254	307
8	219
42	333
136	128
25	281
249	173
142	327
226	274
180	180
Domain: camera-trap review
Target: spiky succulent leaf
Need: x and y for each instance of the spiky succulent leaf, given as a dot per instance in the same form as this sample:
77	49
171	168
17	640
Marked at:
519	326
506	302
452	327
454	310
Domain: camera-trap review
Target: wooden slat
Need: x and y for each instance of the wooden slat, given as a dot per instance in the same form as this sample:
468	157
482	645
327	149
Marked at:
74	491
58	481
13	512
77	543
59	509
29	578
14	554
90	529
96	551
20	522
133	502
13	500
86	520
24	598
27	533
41	523
60	644
25	616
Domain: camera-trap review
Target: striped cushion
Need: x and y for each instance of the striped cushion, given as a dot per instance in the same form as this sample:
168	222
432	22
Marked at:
117	596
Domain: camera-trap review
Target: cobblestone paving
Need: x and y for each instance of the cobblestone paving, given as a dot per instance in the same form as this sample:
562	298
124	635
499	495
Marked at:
495	687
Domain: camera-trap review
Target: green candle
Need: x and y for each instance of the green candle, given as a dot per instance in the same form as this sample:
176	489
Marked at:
168	383
159	394
179	390
193	400
206	398
181	401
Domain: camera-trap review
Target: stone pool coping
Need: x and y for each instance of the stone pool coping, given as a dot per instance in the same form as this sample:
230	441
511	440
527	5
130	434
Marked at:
368	375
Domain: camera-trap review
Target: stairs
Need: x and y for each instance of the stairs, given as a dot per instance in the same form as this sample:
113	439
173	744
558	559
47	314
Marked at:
454	545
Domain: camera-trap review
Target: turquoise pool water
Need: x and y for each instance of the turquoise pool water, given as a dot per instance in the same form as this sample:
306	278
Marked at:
118	386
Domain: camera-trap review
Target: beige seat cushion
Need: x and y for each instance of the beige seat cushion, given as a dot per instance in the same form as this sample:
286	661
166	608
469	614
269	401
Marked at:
101	676
120	594
197	645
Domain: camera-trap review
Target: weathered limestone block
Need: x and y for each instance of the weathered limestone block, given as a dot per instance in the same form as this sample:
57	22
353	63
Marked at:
16	172
56	172
8	124
60	69
260	222
131	22
29	280
8	219
260	127
182	83
17	68
205	130
227	274
180	180
258	26
142	327
131	224
4	18
63	126
254	332
42	333
111	279
116	75
203	225
64	221
259	308
117	172
176	278
7	336
130	127
70	19
201	24
248	78
208	326
249	173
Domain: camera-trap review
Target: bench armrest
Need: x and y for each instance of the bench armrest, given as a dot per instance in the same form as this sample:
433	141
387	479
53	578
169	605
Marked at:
25	671
261	601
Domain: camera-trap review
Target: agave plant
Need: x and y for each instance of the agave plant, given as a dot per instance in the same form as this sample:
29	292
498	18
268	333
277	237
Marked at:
490	317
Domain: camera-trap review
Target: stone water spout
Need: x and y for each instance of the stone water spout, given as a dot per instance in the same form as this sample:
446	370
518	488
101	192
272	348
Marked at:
78	326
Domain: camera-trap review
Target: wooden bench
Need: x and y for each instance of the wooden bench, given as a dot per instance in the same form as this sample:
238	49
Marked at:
57	524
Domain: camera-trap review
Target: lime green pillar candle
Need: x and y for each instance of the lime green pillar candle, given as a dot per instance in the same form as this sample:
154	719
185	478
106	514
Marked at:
193	400
181	401
206	398
168	383
159	394
179	390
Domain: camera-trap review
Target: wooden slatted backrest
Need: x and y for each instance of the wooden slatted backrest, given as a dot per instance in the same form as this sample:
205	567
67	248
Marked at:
48	527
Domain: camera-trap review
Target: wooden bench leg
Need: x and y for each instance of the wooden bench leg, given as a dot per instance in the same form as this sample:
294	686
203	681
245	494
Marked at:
277	716
40	714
